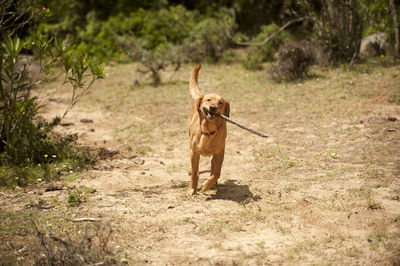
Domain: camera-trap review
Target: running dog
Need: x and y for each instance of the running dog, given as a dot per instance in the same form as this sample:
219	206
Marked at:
207	132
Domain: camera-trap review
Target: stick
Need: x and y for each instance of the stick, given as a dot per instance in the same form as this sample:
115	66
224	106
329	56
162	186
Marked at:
243	127
86	219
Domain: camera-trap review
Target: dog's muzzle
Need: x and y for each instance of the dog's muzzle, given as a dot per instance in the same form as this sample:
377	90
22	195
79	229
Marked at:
210	113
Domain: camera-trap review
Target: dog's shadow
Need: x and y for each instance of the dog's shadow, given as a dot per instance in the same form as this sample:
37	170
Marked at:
234	192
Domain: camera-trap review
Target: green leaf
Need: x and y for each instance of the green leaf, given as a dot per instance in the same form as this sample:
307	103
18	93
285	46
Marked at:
18	45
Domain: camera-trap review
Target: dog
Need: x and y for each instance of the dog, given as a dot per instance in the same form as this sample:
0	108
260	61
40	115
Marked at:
207	132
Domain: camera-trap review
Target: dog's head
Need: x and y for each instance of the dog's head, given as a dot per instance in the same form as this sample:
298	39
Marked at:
210	105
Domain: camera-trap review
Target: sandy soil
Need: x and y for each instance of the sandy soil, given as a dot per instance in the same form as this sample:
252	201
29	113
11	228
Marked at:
323	189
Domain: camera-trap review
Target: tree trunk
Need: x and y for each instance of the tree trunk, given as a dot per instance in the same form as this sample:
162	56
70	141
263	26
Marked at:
396	28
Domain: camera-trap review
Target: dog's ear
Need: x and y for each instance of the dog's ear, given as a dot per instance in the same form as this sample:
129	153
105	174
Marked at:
198	103
227	108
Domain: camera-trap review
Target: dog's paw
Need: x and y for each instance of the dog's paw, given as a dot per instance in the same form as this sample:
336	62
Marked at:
209	184
190	192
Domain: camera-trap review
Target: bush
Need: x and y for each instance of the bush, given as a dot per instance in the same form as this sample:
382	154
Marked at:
338	28
209	38
258	54
252	61
294	60
25	139
107	39
268	50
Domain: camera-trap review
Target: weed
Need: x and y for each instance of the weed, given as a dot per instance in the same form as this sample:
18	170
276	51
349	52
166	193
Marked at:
145	149
299	248
74	198
394	98
373	204
396	195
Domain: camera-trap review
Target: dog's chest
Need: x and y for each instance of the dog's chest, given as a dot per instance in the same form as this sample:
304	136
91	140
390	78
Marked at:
209	145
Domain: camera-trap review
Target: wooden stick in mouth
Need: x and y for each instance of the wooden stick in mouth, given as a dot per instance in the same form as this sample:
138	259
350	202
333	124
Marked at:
242	126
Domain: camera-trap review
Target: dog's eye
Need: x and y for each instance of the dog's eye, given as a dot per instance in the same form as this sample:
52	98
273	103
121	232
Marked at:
208	100
221	102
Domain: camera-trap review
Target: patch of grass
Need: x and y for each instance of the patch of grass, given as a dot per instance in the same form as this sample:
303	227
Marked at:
299	249
145	149
373	204
394	98
180	184
389	240
291	187
396	195
74	198
183	221
216	245
53	168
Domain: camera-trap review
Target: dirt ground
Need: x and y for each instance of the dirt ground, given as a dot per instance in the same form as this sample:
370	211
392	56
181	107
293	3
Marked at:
323	189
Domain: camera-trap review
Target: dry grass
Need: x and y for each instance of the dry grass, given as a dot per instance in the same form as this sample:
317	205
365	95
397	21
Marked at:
322	190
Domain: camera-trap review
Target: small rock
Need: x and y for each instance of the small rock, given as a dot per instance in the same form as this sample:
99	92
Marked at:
391	118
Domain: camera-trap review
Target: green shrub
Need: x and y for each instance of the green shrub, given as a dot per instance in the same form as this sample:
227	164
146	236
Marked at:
252	61
229	57
107	40
74	198
258	54
26	141
268	50
209	38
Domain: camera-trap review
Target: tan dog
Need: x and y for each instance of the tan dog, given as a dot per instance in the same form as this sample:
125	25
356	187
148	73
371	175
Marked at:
207	132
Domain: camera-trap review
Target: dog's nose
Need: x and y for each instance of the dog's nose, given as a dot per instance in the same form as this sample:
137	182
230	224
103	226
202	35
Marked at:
213	109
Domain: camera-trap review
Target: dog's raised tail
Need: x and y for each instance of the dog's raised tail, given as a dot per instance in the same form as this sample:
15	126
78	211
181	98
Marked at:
193	85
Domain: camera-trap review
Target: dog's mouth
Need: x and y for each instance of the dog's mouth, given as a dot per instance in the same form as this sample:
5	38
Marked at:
209	114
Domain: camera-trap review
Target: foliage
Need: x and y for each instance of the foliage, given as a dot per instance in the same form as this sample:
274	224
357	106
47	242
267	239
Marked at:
294	60
103	39
377	17
252	61
25	139
209	38
257	54
159	59
74	198
337	28
268	50
197	36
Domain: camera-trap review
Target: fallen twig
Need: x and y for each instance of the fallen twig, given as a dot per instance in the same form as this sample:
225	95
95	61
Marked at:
86	219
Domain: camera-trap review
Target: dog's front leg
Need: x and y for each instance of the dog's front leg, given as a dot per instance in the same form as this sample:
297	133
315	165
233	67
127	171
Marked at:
216	165
195	158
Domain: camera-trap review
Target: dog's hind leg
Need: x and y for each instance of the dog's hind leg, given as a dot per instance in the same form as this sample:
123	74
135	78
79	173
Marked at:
195	158
216	165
